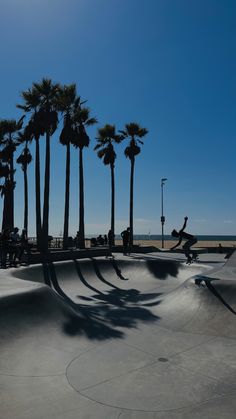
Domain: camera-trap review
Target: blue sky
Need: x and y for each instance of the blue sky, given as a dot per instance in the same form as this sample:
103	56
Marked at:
169	65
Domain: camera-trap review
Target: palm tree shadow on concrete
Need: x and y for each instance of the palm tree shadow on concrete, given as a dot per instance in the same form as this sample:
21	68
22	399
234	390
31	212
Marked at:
118	270
99	321
161	268
100	276
82	278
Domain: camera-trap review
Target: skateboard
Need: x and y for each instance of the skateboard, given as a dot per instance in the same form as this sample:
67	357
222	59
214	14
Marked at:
193	258
199	282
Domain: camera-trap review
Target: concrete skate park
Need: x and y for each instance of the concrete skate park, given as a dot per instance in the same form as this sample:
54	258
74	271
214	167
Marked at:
133	337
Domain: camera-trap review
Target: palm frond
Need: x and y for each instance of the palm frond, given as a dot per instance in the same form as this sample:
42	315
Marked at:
124	133
91	121
101	153
97	146
133	129
132	150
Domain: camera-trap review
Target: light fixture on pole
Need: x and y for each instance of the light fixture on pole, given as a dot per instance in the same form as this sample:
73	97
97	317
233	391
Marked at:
163	180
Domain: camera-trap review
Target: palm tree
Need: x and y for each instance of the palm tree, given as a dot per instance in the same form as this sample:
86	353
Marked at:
31	104
106	137
8	129
65	103
25	159
48	121
133	131
81	120
4	173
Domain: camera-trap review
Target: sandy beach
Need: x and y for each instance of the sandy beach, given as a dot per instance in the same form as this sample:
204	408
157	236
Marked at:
169	243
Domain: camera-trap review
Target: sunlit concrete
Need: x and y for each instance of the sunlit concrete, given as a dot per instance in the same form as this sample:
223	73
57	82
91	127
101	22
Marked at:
129	338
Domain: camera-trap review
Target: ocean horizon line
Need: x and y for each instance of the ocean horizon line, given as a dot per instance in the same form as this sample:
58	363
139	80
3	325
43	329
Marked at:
202	237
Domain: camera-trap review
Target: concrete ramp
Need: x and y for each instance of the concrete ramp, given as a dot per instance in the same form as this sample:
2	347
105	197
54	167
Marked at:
126	338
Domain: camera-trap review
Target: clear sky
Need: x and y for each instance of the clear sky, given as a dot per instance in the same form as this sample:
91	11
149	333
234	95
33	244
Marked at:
169	65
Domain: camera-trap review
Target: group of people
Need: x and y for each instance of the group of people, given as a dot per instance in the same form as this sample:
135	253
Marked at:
109	240
14	247
99	241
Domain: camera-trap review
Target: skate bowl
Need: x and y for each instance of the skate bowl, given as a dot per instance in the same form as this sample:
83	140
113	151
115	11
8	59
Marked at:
129	338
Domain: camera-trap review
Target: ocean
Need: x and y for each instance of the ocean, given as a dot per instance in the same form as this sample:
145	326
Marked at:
168	237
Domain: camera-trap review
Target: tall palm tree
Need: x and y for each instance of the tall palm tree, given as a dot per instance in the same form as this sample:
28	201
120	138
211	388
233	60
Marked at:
48	121
25	159
31	99
65	104
133	132
9	129
4	174
81	120
106	138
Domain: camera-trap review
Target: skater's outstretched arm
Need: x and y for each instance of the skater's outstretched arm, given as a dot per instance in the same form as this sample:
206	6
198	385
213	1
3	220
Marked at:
184	225
180	240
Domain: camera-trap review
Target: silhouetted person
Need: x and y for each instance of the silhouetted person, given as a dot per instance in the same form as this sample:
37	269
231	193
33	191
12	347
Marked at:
110	241
220	248
126	241
77	239
93	242
105	239
191	240
100	240
4	246
50	240
24	246
14	245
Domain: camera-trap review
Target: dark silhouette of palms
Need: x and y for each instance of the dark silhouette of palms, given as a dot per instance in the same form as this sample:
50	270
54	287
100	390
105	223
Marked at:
106	137
8	134
48	121
4	174
81	120
66	103
133	132
24	160
31	98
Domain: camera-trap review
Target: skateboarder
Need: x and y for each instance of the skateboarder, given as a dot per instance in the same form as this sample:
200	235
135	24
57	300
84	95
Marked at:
191	240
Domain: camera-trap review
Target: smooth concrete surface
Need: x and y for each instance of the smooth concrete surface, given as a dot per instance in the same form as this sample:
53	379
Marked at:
129	338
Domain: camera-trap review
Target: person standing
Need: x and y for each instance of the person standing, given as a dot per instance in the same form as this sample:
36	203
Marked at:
24	250
105	239
14	246
4	246
126	241
110	238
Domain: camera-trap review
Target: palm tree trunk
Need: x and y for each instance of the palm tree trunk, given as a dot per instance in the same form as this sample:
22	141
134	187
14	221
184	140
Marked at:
67	198
113	203
11	207
26	199
4	213
131	201
37	193
81	201
46	195
6	206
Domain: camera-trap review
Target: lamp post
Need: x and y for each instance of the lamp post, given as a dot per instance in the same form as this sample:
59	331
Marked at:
163	180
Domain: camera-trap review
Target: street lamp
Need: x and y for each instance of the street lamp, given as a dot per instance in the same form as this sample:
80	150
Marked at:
163	180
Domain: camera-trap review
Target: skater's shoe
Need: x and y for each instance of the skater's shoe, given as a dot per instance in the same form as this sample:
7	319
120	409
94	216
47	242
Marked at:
198	282
189	260
195	256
